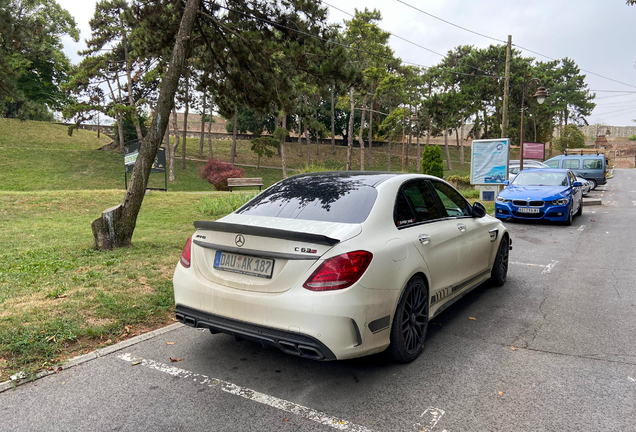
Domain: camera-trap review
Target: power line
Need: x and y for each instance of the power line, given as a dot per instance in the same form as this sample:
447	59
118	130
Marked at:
502	41
392	34
450	23
275	24
413	43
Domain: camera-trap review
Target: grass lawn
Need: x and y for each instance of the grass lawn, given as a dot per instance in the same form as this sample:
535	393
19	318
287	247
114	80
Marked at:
59	296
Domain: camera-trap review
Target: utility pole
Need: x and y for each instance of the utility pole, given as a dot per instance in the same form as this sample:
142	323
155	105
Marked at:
504	123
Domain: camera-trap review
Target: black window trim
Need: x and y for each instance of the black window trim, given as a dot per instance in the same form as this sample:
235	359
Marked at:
441	204
435	198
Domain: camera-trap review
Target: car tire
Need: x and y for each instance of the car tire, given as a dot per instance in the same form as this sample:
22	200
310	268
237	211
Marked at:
410	322
568	221
593	184
579	212
499	272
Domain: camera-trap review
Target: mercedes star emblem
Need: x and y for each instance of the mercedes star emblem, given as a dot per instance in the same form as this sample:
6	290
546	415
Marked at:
239	240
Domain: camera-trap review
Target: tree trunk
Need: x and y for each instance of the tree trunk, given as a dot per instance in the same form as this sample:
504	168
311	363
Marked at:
283	158
361	134
350	130
333	122
210	126
172	151
308	145
370	161
388	154
135	118
300	136
233	153
116	225
461	148
419	153
485	125
448	161
202	125
185	118
120	125
430	131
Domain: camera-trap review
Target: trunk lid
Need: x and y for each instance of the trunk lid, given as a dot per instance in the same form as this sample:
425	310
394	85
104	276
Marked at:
238	250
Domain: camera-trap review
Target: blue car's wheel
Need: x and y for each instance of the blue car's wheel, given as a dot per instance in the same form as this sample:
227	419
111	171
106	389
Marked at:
568	221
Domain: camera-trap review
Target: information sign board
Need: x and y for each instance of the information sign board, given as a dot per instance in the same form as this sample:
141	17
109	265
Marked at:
534	151
489	161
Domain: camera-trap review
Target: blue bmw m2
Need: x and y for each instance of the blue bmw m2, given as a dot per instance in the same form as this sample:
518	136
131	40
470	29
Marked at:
541	194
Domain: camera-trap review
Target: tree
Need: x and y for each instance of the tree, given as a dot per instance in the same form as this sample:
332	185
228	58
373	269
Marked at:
571	137
262	146
432	161
32	64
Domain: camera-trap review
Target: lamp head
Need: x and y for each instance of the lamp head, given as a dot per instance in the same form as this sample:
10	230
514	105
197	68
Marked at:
540	95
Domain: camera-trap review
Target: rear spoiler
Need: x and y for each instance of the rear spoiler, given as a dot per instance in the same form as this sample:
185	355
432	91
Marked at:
266	232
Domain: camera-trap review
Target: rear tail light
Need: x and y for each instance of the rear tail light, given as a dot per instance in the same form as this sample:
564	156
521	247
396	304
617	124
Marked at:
185	255
339	272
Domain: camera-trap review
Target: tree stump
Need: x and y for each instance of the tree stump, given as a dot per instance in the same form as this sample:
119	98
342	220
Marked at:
106	231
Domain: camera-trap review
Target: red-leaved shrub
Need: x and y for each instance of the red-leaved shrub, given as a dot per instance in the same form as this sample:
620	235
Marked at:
217	173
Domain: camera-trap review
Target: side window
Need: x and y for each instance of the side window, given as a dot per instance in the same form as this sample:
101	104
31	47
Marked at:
593	164
415	203
571	163
572	178
454	203
553	164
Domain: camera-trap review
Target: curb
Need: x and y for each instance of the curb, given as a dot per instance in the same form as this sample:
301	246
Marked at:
84	358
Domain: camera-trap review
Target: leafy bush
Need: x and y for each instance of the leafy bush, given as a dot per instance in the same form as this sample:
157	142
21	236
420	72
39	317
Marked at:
217	173
313	168
432	161
632	138
223	205
460	181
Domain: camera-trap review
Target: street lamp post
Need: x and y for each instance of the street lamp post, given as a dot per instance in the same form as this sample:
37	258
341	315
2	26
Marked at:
540	95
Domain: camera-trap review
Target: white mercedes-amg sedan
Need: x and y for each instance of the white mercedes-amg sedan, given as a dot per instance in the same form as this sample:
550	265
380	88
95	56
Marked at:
339	265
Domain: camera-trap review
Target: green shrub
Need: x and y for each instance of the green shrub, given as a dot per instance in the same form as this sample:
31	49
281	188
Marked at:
632	138
313	168
220	206
432	161
461	181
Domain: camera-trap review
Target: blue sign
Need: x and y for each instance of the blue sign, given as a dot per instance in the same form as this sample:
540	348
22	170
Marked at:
489	161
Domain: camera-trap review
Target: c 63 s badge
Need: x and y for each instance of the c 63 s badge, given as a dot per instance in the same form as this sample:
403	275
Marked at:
305	250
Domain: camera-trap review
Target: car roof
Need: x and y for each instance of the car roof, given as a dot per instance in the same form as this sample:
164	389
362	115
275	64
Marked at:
367	178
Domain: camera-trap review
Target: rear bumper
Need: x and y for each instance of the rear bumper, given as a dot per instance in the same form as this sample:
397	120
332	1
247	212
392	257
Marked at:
329	325
288	342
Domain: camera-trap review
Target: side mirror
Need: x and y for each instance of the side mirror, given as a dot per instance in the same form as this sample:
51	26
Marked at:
479	211
577	184
506	183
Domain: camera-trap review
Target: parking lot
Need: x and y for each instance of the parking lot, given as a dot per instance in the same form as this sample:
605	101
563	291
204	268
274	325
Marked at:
551	350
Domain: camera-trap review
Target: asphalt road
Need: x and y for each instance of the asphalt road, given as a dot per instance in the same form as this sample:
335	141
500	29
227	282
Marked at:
568	309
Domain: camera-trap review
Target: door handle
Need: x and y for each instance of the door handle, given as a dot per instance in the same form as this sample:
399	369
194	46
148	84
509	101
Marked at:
424	238
461	227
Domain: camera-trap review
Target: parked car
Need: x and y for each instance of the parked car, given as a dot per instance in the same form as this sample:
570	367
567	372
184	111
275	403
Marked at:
589	166
587	185
514	166
339	265
542	193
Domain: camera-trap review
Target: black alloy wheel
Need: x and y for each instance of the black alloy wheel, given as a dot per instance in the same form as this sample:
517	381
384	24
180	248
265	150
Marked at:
593	184
410	322
568	221
499	272
579	212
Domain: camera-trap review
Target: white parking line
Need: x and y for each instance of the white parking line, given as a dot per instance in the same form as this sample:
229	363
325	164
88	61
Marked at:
547	269
430	417
582	227
253	395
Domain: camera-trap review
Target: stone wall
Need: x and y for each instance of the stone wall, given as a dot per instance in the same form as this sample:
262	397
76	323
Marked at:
625	162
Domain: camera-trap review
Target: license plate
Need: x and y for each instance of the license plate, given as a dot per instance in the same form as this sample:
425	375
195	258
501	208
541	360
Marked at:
247	265
527	210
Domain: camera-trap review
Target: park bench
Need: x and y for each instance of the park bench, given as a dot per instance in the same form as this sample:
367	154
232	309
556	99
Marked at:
244	182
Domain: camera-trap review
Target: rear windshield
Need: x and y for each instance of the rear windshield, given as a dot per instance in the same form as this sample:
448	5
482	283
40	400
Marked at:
316	198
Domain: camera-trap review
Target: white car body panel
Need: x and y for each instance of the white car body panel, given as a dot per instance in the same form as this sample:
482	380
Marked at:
452	262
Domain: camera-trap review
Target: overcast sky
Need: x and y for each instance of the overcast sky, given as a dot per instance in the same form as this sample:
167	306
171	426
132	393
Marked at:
598	35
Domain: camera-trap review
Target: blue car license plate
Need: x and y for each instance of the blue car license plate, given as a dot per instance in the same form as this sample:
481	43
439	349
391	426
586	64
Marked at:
247	265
